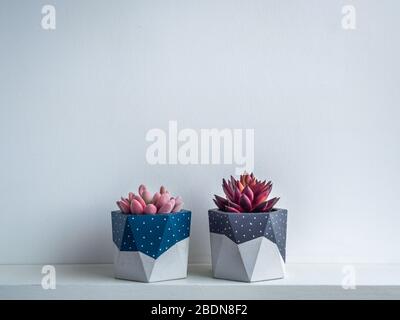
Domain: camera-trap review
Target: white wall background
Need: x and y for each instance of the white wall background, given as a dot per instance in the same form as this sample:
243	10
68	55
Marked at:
76	103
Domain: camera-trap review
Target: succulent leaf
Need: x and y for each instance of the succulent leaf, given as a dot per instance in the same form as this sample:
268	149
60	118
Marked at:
230	209
270	203
156	196
142	188
124	208
150	209
140	200
136	207
249	193
162	200
147	197
166	208
245	203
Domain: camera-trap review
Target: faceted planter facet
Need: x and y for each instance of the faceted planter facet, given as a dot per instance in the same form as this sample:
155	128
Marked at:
151	248
248	246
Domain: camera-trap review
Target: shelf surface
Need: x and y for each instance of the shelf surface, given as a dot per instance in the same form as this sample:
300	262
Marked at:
302	281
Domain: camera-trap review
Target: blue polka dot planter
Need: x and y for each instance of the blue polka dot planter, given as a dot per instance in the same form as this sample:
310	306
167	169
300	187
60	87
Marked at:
151	248
248	246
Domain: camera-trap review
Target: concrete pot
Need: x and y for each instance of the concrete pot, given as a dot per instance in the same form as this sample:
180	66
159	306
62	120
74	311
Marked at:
151	248
248	246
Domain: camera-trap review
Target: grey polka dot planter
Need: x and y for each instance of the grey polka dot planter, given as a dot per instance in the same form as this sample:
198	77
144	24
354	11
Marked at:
151	248
248	246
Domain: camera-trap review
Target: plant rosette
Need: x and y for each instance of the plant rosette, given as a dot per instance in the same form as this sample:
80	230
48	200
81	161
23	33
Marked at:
151	237
247	234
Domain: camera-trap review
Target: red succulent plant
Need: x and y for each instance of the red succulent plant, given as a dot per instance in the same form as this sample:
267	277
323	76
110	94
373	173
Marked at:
246	195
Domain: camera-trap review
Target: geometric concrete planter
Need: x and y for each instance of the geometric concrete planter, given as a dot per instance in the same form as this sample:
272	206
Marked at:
248	246
151	248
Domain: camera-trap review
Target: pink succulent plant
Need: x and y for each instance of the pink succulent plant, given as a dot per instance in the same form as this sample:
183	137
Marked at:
146	203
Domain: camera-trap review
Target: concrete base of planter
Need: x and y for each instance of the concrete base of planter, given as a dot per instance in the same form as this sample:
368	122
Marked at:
255	260
137	266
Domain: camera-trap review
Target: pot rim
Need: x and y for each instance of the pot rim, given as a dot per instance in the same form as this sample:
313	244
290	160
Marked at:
274	210
119	212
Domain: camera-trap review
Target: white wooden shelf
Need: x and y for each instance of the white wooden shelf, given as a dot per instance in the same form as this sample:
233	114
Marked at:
302	281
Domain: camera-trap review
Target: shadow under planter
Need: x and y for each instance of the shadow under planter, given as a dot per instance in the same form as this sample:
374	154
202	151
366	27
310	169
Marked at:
151	248
248	246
